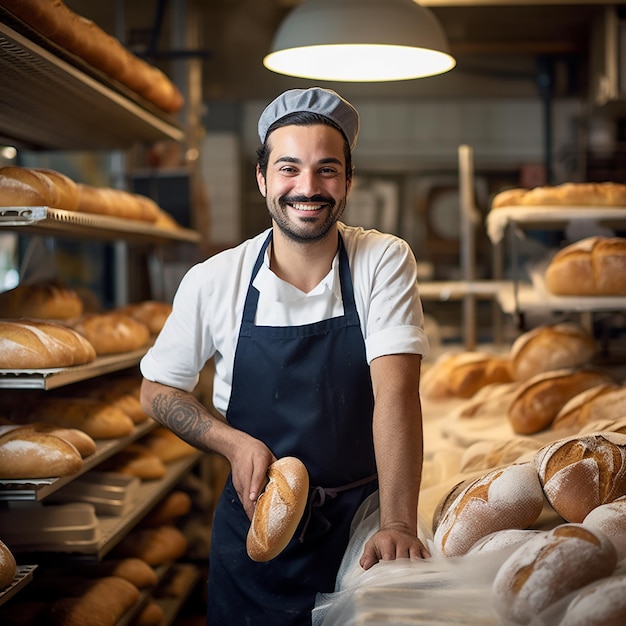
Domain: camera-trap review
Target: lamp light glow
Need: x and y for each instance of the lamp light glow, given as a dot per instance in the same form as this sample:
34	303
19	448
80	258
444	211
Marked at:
360	41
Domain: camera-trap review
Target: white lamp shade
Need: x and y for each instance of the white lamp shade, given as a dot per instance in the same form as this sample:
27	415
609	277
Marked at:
359	41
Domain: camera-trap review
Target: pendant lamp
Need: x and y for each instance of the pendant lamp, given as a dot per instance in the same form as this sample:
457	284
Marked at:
360	41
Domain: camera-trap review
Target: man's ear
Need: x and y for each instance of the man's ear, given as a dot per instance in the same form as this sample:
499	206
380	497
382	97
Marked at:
260	181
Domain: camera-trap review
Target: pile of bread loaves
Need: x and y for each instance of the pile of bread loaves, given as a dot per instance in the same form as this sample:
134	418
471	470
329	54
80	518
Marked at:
30	186
85	39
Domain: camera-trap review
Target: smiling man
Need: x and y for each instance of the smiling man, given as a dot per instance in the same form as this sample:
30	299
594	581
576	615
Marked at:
317	332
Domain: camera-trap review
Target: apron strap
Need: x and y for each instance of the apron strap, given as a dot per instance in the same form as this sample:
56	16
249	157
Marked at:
319	495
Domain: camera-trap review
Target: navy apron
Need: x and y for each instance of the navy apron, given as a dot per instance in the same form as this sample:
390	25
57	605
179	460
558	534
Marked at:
305	391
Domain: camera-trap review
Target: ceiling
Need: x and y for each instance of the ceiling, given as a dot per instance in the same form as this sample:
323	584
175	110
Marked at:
502	48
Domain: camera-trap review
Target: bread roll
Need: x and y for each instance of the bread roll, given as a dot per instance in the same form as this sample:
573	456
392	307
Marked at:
26	453
599	403
595	266
112	333
510	497
8	566
44	301
582	472
33	344
156	546
98	419
550	347
462	375
278	509
67	189
486	455
537	401
602	603
103	604
547	568
610	519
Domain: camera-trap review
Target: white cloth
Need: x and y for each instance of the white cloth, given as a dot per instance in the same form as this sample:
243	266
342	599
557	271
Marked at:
208	307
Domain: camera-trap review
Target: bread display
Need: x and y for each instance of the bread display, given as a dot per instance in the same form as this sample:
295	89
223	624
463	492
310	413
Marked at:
550	347
594	266
278	509
602	603
112	333
605	402
547	568
509	497
565	194
36	344
462	375
43	301
106	53
8	566
26	453
580	473
610	519
537	401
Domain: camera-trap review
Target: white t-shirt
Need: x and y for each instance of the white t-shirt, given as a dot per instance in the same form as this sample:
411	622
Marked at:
208	306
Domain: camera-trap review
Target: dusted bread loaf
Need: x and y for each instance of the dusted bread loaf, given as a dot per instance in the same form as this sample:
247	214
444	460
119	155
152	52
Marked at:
112	333
595	266
33	344
537	401
566	194
547	568
582	472
44	301
462	375
605	402
510	497
610	519
550	347
278	510
602	603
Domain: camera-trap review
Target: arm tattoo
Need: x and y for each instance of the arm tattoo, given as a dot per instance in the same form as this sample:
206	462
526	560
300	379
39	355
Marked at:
183	415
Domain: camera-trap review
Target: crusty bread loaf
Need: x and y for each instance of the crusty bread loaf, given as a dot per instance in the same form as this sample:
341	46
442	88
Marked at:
602	603
550	347
461	375
610	519
35	344
566	194
278	509
509	497
537	401
78	438
605	402
99	420
45	301
8	566
487	454
152	313
594	266
34	179
17	193
582	472
112	333
104	603
507	539
67	189
156	546
116	203
547	568
26	453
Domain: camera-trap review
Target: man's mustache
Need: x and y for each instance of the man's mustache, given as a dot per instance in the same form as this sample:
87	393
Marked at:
317	199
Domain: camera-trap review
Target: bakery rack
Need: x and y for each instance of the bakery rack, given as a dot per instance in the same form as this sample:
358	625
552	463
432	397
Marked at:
42	90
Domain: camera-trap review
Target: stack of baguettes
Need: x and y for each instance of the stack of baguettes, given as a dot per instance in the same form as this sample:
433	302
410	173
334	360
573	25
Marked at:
85	39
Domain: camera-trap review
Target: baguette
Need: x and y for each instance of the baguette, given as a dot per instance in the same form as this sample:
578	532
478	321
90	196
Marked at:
278	510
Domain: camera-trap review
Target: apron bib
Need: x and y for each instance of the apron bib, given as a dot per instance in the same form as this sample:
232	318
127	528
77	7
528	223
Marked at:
305	391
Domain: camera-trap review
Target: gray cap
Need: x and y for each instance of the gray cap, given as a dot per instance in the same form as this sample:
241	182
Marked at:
316	100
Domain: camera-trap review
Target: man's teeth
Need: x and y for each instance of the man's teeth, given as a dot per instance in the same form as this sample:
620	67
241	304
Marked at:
307	207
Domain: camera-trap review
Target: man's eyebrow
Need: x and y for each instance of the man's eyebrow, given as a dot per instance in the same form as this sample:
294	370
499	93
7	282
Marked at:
288	159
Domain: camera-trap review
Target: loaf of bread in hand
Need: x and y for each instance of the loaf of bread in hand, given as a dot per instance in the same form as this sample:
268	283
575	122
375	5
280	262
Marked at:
547	568
594	266
278	509
550	347
35	344
537	401
582	472
509	497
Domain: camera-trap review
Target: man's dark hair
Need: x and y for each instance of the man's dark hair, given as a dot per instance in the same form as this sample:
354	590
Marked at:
302	118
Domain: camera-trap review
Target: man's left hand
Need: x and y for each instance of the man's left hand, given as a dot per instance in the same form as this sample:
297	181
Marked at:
390	544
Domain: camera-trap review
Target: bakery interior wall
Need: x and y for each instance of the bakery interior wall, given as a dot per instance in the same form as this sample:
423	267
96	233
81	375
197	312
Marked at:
519	96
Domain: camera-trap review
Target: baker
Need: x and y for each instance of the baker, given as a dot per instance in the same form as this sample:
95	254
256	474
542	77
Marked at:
316	329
